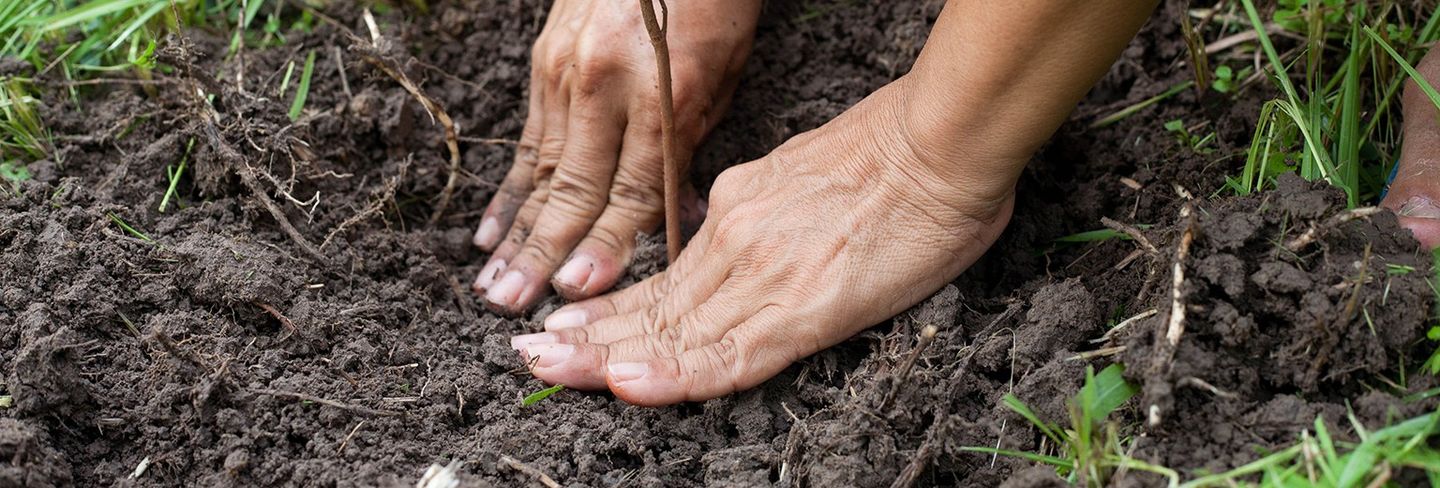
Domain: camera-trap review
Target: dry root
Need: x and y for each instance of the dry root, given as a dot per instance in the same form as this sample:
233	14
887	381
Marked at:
372	55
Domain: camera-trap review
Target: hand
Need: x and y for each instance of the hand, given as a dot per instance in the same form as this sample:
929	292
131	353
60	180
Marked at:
587	173
838	229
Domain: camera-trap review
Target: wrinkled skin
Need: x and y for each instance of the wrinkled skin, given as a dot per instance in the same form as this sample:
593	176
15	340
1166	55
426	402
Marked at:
746	298
847	225
587	172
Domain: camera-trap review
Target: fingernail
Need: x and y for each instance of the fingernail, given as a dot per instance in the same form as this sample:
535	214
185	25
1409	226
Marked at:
507	291
576	273
565	319
622	372
488	234
547	355
1422	207
520	342
489	273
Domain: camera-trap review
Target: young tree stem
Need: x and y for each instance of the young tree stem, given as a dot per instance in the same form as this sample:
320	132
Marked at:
657	29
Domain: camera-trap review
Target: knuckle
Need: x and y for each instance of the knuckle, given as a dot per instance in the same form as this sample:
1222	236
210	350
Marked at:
639	196
541	248
668	342
650	321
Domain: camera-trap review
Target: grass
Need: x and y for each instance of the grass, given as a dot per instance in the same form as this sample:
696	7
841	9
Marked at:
536	397
1090	450
1333	123
173	175
303	90
127	228
1320	460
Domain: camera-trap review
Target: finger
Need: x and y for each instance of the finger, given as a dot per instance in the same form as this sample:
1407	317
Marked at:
577	356
519	181
577	366
640	296
635	204
745	357
706	324
577	196
495	268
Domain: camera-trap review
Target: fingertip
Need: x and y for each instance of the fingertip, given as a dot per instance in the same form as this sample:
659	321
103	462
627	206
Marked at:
489	234
573	365
640	383
567	318
487	276
586	274
514	293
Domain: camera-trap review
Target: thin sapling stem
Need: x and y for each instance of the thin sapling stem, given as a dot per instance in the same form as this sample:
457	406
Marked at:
658	30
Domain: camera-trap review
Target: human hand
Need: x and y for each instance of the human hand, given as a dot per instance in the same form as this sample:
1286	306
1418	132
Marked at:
838	229
587	175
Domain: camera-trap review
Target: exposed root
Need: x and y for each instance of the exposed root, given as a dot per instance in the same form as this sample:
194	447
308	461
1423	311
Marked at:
1134	234
1164	354
1176	325
658	30
794	450
927	335
1110	334
355	409
539	476
373	208
343	443
1204	385
284	321
923	456
1330	337
372	54
1314	233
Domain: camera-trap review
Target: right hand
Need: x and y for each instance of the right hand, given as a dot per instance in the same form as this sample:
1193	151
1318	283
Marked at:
587	175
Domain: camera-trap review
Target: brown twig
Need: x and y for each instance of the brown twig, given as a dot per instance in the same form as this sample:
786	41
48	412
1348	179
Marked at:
275	312
923	456
343	443
375	58
927	335
543	478
252	183
1133	232
658	30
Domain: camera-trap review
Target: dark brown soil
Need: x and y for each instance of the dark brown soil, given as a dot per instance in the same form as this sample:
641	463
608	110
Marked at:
223	353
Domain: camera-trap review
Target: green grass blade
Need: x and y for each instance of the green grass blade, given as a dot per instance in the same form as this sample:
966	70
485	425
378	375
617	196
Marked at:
1039	458
1263	36
536	397
136	24
1348	153
128	228
175	178
1021	408
1405	65
303	90
1128	111
1106	391
87	12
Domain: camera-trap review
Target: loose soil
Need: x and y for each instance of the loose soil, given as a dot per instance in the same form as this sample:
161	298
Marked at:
222	353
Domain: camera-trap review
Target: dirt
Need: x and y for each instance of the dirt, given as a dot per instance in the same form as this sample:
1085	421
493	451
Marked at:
220	352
